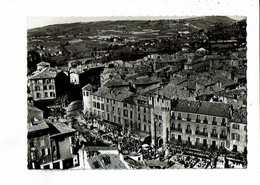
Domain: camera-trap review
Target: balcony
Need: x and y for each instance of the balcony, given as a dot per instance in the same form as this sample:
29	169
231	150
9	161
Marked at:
205	121
188	131
214	135
188	119
223	137
198	120
214	123
179	118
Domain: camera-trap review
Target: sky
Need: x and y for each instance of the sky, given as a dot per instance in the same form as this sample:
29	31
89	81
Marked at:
34	22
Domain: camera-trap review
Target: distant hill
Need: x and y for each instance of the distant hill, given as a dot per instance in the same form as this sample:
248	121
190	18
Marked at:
92	28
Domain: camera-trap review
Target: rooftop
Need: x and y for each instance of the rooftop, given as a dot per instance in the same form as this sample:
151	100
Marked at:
87	87
36	126
109	93
203	107
44	73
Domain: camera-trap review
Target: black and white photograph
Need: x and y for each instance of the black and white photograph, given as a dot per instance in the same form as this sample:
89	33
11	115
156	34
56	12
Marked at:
138	94
130	92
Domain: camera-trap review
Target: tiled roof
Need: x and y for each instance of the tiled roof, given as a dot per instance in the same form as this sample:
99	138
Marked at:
60	129
117	95
40	125
32	108
203	107
45	73
87	87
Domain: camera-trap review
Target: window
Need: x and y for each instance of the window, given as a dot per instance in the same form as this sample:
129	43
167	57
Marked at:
31	144
214	131
107	100
107	109
223	132
204	130
113	108
99	113
125	105
98	98
197	140
179	116
45	87
160	117
94	97
114	102
38	95
125	113
144	110
52	94
114	118
235	137
188	117
43	152
119	119
95	112
102	99
144	127
52	87
98	105
87	93
173	115
145	118
235	126
102	106
214	121
205	119
107	116
36	88
138	109
179	126
222	145
245	128
94	104
139	117
131	114
46	94
119	111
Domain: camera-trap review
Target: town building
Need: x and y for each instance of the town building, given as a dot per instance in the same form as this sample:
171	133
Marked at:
47	83
238	131
42	82
51	146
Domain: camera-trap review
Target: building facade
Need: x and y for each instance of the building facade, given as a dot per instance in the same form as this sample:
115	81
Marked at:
42	83
51	146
